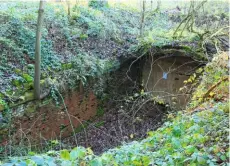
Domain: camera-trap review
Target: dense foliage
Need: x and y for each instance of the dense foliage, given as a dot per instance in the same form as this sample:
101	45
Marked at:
68	45
88	44
197	139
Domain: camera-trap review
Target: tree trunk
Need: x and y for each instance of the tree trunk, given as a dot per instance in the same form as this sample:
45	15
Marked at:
158	5
37	73
151	5
68	5
142	19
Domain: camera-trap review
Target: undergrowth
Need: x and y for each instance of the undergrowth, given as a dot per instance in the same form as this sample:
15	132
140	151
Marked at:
197	136
187	139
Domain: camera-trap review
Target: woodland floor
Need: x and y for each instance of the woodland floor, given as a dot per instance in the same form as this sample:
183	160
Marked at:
116	126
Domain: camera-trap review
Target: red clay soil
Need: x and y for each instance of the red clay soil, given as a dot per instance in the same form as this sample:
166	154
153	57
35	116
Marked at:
52	122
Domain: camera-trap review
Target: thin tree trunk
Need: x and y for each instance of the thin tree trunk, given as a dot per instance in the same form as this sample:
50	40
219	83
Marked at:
158	5
79	1
37	73
151	5
68	5
142	19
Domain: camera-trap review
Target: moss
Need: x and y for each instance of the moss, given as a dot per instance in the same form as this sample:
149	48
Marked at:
31	107
100	111
186	48
98	124
66	66
42	82
9	92
28	85
226	108
17	71
46	101
1	96
199	56
27	77
83	36
2	107
29	95
16	83
44	75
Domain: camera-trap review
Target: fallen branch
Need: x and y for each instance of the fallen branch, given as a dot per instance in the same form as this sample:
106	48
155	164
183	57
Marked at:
225	78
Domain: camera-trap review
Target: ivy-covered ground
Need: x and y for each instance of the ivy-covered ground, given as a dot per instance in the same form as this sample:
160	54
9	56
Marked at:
196	136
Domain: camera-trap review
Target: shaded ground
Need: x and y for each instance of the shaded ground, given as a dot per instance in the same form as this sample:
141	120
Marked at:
124	114
118	126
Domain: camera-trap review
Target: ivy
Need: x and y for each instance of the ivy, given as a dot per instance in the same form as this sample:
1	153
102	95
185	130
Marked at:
180	142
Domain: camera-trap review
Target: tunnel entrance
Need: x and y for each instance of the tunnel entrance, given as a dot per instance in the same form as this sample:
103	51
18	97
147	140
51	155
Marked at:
163	76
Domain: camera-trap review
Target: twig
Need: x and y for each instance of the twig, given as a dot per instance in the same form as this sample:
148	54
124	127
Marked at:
66	110
225	78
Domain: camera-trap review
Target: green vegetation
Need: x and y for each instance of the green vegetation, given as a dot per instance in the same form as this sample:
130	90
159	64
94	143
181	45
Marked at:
198	136
197	139
81	127
100	111
88	45
18	39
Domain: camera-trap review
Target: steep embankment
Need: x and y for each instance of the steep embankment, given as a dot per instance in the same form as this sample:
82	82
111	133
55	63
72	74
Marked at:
197	136
64	49
76	51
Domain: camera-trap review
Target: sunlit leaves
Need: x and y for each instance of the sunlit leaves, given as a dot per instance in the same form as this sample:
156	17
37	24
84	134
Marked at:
211	75
150	133
131	136
190	149
64	154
